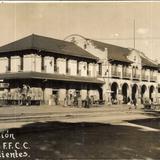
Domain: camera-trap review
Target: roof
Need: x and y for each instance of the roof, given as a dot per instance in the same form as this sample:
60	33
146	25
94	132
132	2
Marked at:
42	43
48	76
159	67
114	52
147	62
120	53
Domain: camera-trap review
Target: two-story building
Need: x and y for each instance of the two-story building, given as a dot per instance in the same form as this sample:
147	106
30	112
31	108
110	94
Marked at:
55	69
48	68
127	73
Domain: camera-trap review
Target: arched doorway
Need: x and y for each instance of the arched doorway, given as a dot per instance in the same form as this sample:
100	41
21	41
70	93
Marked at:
143	90
125	92
151	90
134	91
100	91
114	88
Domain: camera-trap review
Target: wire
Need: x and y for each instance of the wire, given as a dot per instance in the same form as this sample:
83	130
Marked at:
129	38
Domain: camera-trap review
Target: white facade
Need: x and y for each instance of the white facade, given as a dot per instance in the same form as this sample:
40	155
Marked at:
3	64
130	78
132	74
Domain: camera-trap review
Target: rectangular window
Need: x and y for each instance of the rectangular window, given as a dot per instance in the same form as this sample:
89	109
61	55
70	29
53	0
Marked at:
134	71
77	67
55	65
42	63
114	68
67	68
100	68
143	72
151	73
124	70
87	69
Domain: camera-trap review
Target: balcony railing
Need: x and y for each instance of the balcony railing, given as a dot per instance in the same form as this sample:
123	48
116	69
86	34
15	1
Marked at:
115	74
144	77
126	75
136	76
153	78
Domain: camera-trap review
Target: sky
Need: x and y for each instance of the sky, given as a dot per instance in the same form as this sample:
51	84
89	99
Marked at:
110	22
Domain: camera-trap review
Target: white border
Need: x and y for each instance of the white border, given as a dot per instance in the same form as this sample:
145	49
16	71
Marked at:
83	1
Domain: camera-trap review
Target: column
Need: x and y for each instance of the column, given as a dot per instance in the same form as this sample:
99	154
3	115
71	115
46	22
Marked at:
42	63
21	62
9	64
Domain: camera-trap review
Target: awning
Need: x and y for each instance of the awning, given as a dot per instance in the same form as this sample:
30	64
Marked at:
49	76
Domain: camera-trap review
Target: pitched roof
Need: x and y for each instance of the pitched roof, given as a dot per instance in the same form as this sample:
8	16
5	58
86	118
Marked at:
147	62
49	76
46	44
120	53
114	52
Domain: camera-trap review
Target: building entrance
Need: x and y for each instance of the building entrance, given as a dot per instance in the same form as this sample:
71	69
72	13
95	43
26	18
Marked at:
151	90
55	97
134	91
143	90
124	92
100	91
114	89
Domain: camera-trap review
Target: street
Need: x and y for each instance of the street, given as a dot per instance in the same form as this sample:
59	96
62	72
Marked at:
78	133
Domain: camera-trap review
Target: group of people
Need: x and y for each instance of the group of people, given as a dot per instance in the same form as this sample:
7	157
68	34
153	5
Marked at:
76	101
20	96
124	100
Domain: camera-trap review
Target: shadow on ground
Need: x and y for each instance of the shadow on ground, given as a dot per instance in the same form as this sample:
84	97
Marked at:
152	113
57	140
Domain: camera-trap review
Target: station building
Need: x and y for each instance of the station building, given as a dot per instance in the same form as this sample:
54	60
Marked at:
126	72
49	67
76	66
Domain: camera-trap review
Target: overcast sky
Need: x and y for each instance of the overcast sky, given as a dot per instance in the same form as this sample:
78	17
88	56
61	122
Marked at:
108	22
